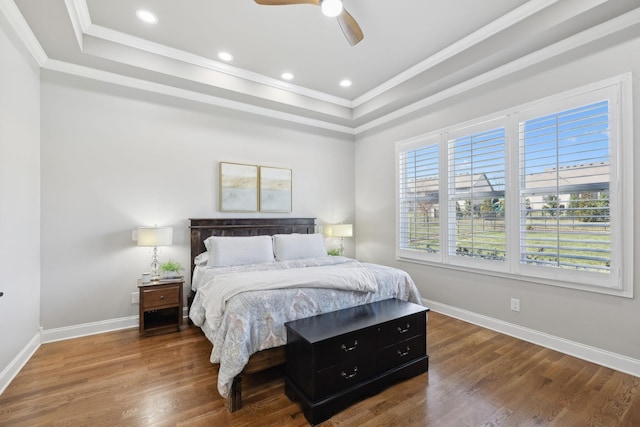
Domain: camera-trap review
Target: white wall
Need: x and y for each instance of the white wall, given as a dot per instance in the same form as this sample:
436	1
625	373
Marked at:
19	200
115	158
605	322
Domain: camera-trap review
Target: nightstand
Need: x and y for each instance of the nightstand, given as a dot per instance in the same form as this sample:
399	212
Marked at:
160	306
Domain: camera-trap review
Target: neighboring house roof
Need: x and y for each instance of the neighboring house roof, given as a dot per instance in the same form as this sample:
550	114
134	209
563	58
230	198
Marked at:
426	189
424	186
571	179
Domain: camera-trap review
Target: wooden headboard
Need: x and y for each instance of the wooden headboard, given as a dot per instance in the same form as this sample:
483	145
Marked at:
201	229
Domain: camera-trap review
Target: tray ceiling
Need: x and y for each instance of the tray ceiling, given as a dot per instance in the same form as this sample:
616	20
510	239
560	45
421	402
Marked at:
414	52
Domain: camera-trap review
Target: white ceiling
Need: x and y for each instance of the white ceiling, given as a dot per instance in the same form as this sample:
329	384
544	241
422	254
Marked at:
413	50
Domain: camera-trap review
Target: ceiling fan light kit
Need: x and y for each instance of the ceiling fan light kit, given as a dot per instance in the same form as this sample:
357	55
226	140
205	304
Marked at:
332	8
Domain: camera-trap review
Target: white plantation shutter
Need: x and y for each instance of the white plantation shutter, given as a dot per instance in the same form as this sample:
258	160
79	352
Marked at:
418	190
476	184
564	195
540	192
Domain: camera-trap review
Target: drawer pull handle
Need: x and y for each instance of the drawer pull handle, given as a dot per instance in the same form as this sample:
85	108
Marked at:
161	296
347	349
351	375
402	331
404	353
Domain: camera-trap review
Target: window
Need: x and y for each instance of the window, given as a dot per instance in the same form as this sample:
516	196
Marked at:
419	203
476	184
564	190
534	193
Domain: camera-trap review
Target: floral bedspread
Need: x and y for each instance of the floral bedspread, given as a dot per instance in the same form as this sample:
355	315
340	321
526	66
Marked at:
254	321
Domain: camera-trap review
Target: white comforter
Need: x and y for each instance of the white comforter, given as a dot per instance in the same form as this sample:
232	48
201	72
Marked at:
243	310
348	277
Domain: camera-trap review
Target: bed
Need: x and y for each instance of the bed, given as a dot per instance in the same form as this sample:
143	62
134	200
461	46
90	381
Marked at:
242	295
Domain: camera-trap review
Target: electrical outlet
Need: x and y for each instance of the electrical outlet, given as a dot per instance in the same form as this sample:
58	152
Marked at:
515	304
135	297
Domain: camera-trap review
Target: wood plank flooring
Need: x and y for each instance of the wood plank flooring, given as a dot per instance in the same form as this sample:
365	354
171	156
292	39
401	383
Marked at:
476	377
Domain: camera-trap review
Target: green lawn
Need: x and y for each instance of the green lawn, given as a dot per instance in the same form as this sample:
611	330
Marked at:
582	245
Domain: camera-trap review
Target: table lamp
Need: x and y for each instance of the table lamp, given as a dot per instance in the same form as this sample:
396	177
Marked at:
338	230
154	237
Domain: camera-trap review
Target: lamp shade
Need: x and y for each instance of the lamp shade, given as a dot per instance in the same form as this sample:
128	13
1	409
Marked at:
338	230
155	236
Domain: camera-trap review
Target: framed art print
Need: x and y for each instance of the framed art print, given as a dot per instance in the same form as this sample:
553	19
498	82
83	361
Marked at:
238	187
275	189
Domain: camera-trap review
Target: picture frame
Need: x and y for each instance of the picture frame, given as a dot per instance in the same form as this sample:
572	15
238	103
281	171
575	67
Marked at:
238	187
275	189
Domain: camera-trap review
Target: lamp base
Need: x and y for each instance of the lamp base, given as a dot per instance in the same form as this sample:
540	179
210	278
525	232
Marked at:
154	265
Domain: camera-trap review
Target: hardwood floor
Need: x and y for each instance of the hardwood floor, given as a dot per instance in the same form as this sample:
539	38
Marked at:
476	377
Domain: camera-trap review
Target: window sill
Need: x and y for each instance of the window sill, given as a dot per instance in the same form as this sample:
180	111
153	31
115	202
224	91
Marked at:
624	293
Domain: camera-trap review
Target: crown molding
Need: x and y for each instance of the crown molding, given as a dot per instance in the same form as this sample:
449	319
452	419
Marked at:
22	29
210	64
16	20
80	20
528	9
79	12
135	83
592	34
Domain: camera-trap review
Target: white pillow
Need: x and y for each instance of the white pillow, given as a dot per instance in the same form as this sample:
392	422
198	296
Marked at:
296	246
229	251
202	259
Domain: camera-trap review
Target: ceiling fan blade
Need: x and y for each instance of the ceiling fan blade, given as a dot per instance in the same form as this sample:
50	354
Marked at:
286	2
350	28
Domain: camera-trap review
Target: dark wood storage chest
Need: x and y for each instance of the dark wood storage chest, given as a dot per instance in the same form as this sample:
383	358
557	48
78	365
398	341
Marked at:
338	357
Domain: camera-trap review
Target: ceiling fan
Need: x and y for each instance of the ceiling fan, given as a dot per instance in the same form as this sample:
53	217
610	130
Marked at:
331	8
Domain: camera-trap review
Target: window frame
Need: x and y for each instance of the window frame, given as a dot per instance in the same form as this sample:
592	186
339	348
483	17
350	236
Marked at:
405	147
619	281
475	128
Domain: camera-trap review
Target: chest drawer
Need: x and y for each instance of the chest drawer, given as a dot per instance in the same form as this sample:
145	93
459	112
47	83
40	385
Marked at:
161	297
402	329
344	348
401	353
343	376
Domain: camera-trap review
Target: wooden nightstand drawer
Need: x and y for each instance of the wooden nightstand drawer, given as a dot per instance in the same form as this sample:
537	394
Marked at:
160	306
156	298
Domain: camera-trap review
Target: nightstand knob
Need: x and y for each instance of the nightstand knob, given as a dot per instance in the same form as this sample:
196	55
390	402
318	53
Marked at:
161	296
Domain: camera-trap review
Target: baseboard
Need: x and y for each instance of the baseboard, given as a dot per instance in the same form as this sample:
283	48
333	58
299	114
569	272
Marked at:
84	329
10	372
592	354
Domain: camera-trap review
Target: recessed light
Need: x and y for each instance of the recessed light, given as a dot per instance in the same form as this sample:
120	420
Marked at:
345	83
287	76
225	56
146	16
